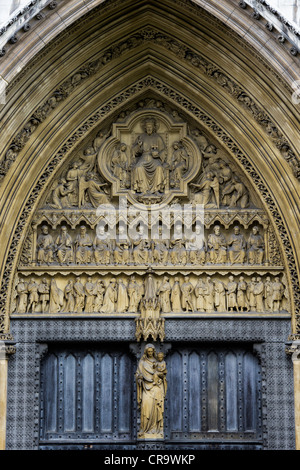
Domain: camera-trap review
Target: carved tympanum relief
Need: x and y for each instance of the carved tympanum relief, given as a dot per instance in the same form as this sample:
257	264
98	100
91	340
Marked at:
91	247
78	259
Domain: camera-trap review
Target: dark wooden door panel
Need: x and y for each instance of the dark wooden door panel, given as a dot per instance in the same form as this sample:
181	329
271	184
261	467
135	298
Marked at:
214	393
213	399
87	394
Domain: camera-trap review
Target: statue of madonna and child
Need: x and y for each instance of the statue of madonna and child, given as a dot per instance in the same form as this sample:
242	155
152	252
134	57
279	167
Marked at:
151	391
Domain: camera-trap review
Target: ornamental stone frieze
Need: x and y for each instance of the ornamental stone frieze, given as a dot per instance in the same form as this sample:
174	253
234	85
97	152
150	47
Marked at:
173	293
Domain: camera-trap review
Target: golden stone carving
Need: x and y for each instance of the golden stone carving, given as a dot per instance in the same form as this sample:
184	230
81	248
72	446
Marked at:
152	296
151	391
78	261
150	157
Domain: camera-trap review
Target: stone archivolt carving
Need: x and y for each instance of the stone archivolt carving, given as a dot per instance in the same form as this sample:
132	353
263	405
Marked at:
151	296
180	50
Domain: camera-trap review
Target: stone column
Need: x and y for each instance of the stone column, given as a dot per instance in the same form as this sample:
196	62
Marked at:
6	348
293	349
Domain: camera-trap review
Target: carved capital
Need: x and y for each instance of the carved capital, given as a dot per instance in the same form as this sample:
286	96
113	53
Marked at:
292	347
6	349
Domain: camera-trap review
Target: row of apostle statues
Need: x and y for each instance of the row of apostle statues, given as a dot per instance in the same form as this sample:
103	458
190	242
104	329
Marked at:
177	250
181	294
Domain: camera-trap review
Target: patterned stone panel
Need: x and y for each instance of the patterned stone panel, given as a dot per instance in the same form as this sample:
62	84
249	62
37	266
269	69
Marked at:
22	391
227	330
279	398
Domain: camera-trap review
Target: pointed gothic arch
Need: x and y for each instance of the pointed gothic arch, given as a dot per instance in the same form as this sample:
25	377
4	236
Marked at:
114	58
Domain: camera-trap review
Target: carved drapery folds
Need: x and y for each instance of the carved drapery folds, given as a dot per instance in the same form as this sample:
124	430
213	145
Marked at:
240	291
88	251
151	384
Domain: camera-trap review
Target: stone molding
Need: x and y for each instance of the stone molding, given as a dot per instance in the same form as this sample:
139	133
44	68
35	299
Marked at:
21	22
183	52
6	349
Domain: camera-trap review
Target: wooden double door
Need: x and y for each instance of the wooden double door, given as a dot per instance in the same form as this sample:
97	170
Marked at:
88	397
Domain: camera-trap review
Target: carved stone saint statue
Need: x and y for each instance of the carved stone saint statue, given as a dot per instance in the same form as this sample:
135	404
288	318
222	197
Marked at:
122	245
217	246
90	293
259	292
33	295
22	292
196	247
151	391
164	291
241	296
180	163
251	294
199	293
135	294
69	298
148	172
122	297
256	247
110	298
83	247
64	247
187	290
102	247
44	293
79	294
56	298
231	294
45	246
141	247
277	294
99	290
209	295
119	164
176	297
236	246
208	191
178	246
90	190
268	294
160	249
220	296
